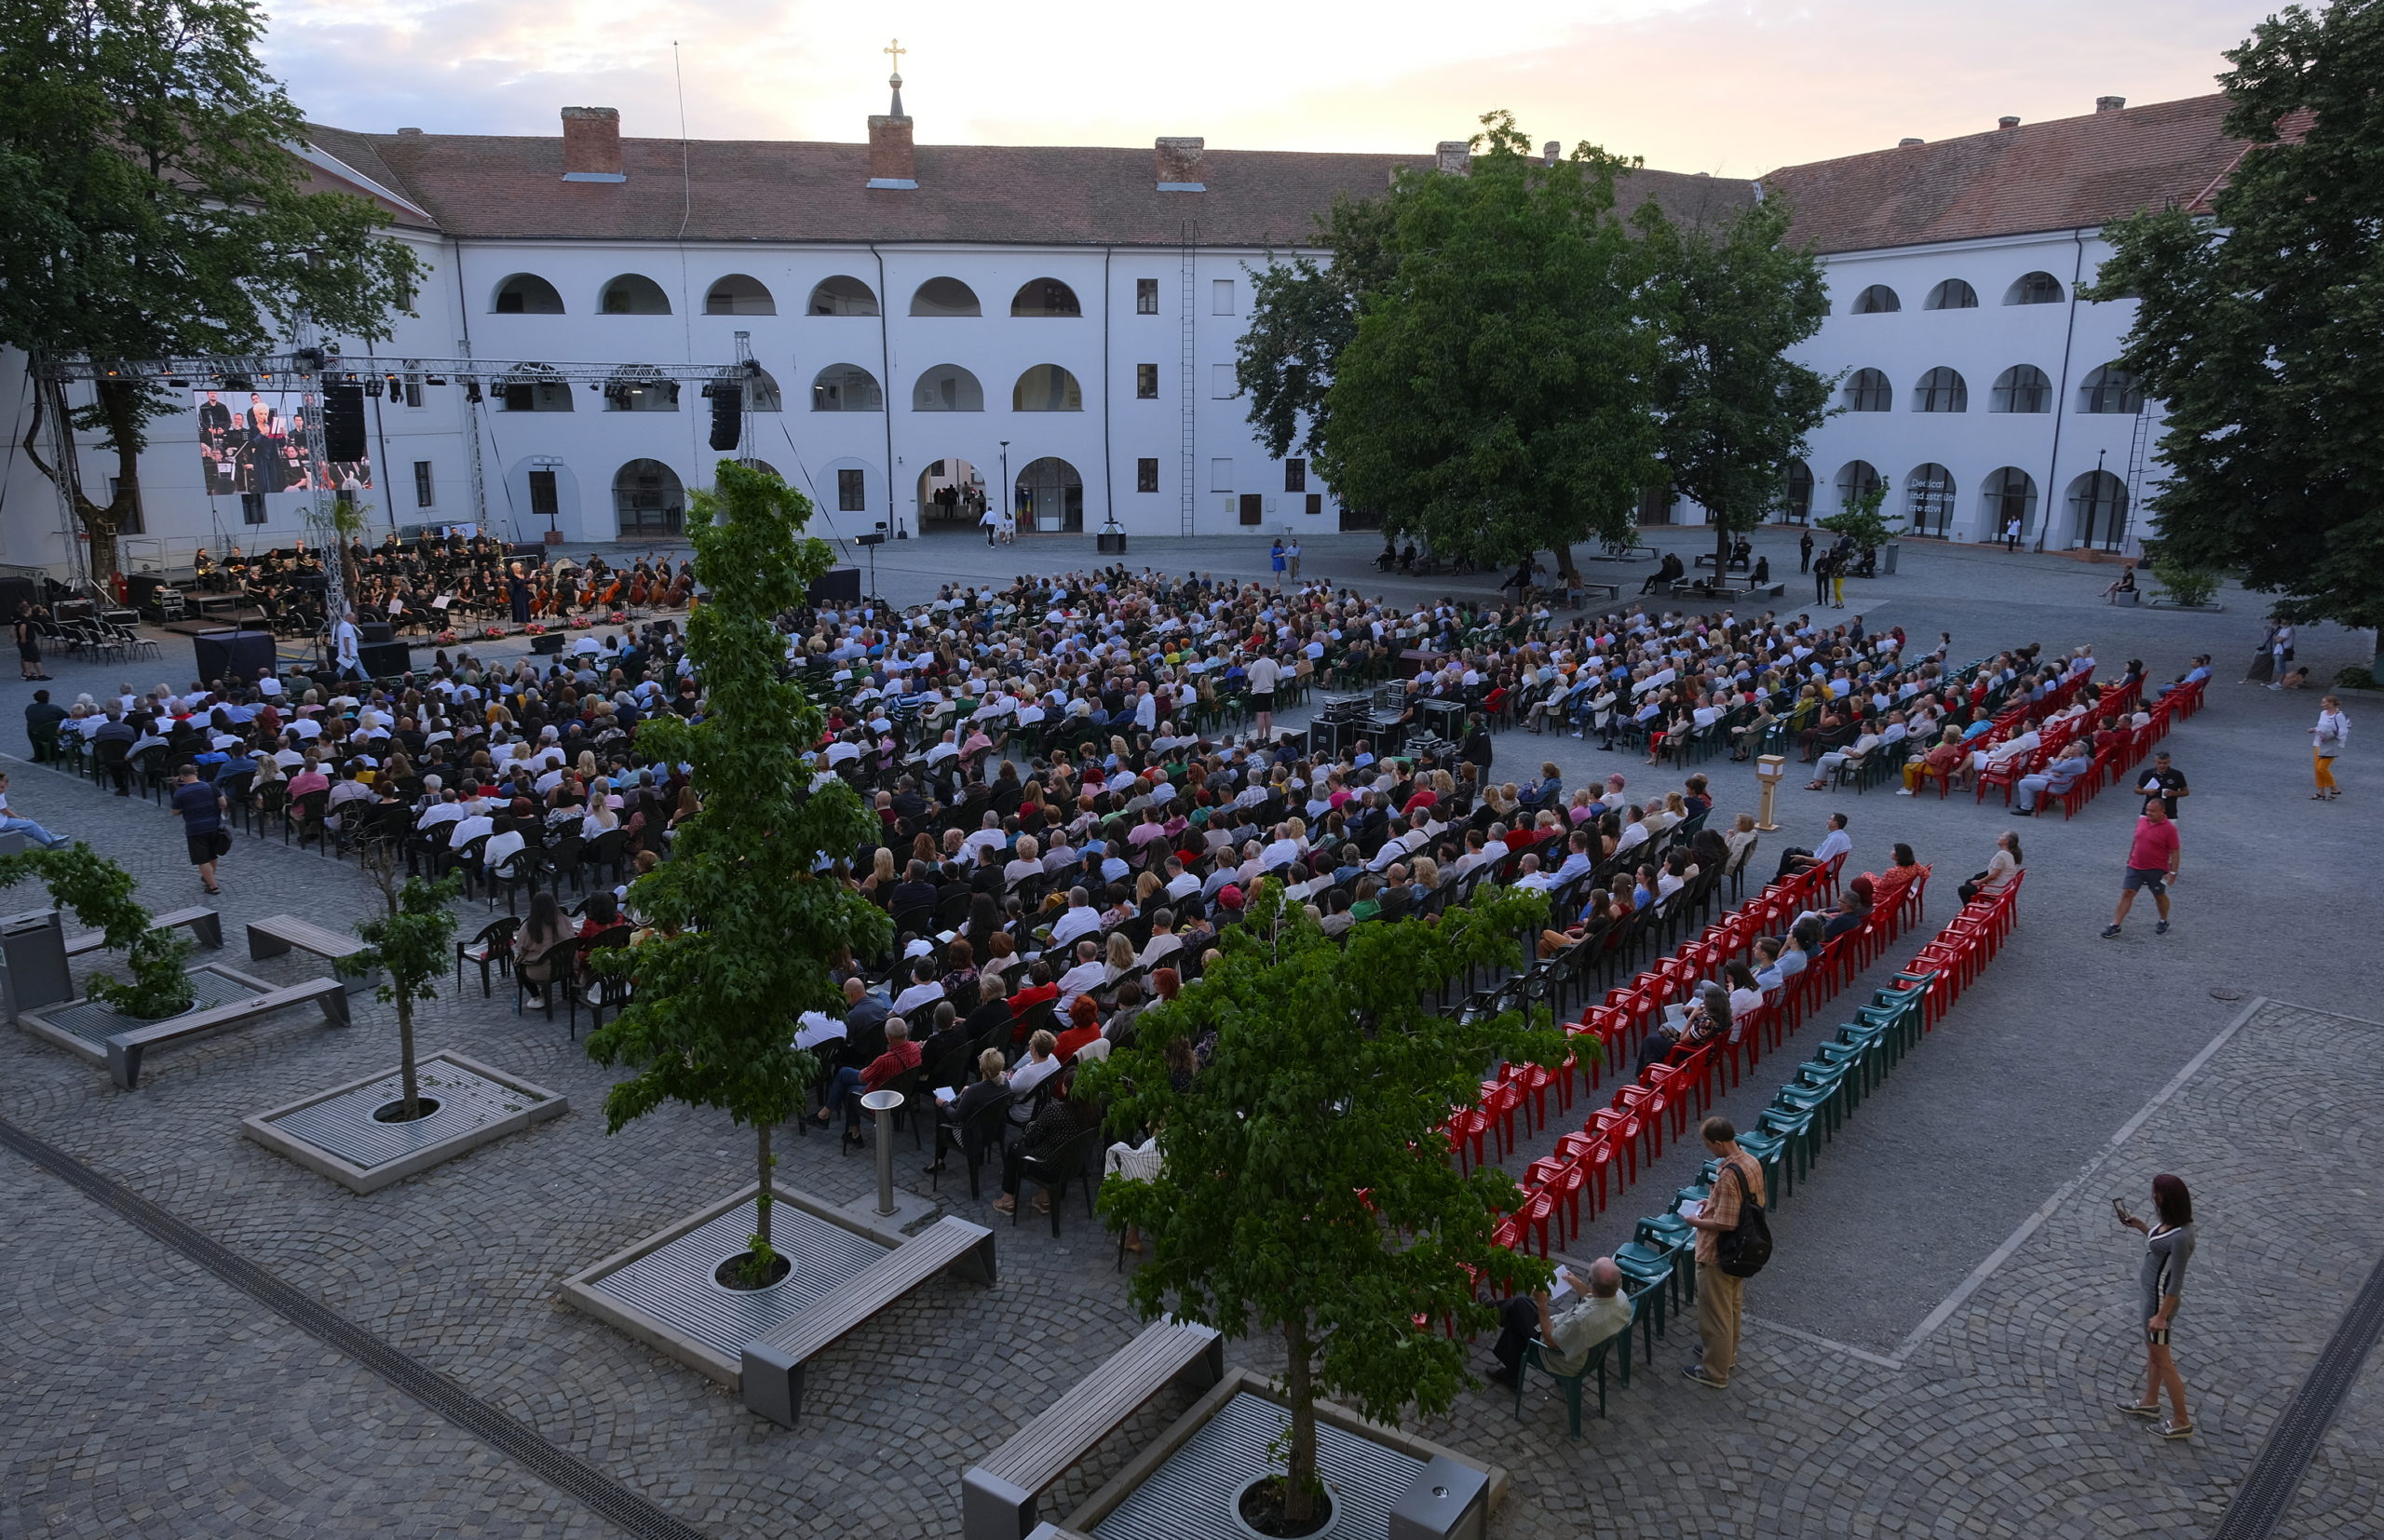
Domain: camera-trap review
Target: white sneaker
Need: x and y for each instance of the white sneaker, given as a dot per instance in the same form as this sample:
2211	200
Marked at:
1903	791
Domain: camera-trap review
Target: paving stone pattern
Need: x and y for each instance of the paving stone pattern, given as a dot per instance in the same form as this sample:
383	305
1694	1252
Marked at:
141	1396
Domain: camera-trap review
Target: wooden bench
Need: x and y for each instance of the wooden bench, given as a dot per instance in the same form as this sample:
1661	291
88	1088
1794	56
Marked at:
276	934
998	1497
126	1047
772	1379
1628	553
206	927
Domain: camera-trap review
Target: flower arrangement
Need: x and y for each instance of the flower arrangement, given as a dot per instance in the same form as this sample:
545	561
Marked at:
492	633
445	639
579	623
534	628
618	617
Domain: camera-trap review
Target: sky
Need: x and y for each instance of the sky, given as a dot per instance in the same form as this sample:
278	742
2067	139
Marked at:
1731	86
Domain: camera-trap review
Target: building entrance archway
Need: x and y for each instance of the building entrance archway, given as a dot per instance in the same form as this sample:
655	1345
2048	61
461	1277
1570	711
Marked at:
648	500
1049	498
952	495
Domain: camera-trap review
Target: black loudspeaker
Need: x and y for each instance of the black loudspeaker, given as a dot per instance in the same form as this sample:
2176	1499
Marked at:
728	414
370	631
547	645
836	586
344	423
220	654
385	660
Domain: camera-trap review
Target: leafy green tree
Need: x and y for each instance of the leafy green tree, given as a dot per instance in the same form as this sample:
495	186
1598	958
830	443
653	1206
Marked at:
1734	408
1307	1190
2257	324
748	923
412	942
1497	395
99	893
155	212
1862	520
1302	313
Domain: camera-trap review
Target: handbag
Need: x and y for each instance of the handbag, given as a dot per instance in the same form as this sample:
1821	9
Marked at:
1742	1252
223	842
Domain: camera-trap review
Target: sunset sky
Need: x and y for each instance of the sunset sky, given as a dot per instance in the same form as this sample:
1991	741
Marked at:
1732	86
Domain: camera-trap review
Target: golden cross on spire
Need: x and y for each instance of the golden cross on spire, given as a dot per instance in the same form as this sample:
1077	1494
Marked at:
895	51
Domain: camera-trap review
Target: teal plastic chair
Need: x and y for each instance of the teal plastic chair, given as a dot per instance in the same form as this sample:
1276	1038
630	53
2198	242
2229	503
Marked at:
1571	1383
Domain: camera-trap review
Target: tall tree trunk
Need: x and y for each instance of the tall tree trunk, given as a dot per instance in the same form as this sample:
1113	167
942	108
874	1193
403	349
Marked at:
1299	1494
405	1053
122	405
1722	532
761	1196
1564	563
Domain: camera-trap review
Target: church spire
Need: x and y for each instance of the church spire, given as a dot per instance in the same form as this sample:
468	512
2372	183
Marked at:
895	51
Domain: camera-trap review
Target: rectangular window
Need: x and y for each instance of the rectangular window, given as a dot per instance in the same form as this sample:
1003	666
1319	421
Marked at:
1220	297
1296	475
1146	382
1145	296
1315	504
1253	509
544	502
1147	476
132	524
252	507
421	494
1222	386
1220	476
413	390
852	496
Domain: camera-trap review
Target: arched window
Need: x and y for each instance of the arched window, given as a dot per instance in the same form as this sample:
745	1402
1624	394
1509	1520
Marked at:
1941	390
2110	390
1049	496
1868	390
842	297
1046	387
634	295
2098	510
1929	499
1045	297
527	294
1856	479
947	388
2022	387
2006	494
1952	295
533	387
2034	288
761	391
1878	300
640	388
846	387
740	295
945	297
1796	496
648	500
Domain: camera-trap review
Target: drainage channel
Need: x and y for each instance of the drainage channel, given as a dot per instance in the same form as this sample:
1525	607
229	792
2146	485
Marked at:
2267	1493
633	1514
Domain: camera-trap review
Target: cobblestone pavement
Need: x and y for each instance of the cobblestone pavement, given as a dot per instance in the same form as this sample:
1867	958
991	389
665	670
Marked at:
141	1396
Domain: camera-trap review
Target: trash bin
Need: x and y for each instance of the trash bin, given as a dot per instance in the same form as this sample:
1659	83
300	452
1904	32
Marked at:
1447	1501
32	961
1110	541
1888	558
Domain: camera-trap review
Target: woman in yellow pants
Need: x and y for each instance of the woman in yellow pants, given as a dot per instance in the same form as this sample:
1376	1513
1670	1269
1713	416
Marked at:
2326	740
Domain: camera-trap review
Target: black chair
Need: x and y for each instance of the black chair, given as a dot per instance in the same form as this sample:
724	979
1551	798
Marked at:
1071	1162
492	945
513	874
559	959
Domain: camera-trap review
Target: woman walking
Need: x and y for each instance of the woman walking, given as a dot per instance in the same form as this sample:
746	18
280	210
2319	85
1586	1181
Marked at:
2326	740
28	644
2161	1286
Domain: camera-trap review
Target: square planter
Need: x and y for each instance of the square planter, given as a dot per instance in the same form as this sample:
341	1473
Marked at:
664	1291
83	1027
1186	1485
335	1133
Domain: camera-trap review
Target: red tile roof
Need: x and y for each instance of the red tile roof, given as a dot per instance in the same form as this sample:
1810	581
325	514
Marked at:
488	186
2064	174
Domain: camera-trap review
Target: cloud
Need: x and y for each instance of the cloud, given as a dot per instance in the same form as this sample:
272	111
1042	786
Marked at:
1691	85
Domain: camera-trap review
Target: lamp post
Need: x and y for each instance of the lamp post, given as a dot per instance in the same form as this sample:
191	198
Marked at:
883	1104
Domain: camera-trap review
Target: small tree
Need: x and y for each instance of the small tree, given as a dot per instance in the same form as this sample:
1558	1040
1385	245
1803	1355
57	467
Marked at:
748	923
100	894
1308	1190
1862	520
412	942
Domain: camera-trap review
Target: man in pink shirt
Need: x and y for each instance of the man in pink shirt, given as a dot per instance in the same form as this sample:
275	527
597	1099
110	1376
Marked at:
2151	862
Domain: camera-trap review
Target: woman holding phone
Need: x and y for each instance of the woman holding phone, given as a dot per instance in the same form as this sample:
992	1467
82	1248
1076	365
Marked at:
2161	1281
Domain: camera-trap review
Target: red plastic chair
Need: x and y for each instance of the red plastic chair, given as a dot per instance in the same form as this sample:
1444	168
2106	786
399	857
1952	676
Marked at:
1621	1128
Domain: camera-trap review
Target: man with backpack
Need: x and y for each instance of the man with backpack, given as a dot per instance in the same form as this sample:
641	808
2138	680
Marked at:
1733	1242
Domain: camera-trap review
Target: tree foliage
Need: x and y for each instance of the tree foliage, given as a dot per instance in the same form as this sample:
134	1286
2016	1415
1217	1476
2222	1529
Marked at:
2258	325
748	923
412	942
1308	1190
99	893
1861	521
1497	394
1734	408
155	210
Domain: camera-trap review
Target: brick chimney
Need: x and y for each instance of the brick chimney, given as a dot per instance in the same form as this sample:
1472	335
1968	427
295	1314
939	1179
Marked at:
1179	165
1453	156
1907	142
892	166
591	144
1550	153
2006	122
2109	103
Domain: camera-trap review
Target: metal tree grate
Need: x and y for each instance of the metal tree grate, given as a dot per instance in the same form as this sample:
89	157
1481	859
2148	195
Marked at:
2267	1493
633	1514
675	1283
345	1125
1191	1496
98	1021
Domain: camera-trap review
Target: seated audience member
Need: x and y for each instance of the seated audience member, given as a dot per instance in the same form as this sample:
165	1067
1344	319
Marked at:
1059	1122
845	1087
1594	1310
953	1119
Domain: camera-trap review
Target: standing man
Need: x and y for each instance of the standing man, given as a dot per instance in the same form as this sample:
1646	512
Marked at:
2163	783
1292	555
347	645
202	806
2011	533
2151	862
1263	674
1821	578
1720	1297
1805	552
